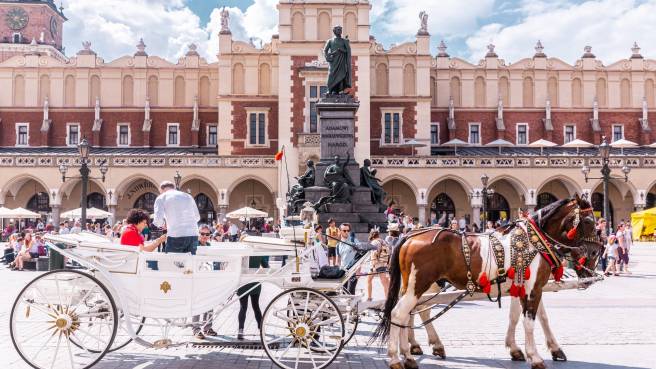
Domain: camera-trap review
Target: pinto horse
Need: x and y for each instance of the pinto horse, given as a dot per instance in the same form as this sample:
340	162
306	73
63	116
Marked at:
425	257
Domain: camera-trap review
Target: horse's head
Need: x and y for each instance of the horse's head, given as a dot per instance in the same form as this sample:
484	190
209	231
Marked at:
571	225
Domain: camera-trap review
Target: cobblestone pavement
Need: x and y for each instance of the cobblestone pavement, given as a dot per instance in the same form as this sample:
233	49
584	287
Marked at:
612	325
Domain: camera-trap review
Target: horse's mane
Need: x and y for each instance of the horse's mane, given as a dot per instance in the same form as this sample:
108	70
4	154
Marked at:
542	216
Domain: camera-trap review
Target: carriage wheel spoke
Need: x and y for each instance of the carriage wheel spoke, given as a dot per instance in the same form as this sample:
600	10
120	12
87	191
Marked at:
332	320
70	352
79	341
307	302
314	363
322	347
58	290
44	345
40	308
35	335
47	301
86	295
92	336
298	355
286	350
70	298
323	302
54	358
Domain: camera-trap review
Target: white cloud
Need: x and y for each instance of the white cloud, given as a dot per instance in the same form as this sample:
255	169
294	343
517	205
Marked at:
609	26
447	18
115	26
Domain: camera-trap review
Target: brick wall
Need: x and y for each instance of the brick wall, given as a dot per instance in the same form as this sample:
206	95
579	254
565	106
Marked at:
240	128
298	96
409	127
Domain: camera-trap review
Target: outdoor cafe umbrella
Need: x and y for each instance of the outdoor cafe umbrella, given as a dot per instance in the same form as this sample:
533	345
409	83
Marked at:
93	213
6	213
542	143
622	144
412	144
21	213
455	143
499	142
247	212
578	144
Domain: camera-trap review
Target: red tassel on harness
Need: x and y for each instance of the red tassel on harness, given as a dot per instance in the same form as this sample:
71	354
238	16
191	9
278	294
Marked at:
483	280
527	274
511	273
581	263
487	288
558	273
514	291
571	233
522	292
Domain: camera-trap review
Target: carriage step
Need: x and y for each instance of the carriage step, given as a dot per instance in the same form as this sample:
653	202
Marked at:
242	344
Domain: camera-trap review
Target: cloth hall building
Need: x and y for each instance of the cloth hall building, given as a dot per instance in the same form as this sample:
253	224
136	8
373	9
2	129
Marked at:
219	124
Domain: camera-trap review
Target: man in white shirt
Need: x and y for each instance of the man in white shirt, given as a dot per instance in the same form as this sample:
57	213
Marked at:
233	231
177	211
462	224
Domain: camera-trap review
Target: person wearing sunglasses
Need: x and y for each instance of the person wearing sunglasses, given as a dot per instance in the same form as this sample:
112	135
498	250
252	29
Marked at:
204	235
201	331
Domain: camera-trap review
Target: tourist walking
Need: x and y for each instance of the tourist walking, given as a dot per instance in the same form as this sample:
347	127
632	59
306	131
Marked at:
380	258
612	255
253	291
176	211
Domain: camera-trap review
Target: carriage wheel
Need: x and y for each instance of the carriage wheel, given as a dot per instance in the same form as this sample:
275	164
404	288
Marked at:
349	315
50	325
302	329
122	338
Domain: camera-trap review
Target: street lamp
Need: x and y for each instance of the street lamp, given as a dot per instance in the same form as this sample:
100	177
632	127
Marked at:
177	179
83	150
484	194
604	153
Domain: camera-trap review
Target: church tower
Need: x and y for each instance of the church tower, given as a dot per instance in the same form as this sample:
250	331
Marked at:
31	26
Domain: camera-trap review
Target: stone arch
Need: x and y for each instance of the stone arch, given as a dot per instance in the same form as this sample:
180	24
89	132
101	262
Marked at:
249	191
351	26
479	92
265	79
14	186
382	78
458	191
621	200
577	93
570	186
204	91
409	80
153	90
44	88
131	189
122	187
324	26
625	93
70	192
128	91
196	177
404	194
649	93
179	91
19	90
238	78
298	26
512	190
527	92
463	183
69	91
246	178
504	90
602	94
624	188
552	90
455	90
516	183
94	89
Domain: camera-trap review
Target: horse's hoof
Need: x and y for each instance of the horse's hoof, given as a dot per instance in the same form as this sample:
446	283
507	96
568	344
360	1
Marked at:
416	350
410	364
439	351
558	355
396	366
538	366
517	355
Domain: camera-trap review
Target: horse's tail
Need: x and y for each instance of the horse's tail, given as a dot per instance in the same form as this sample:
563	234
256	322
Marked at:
383	329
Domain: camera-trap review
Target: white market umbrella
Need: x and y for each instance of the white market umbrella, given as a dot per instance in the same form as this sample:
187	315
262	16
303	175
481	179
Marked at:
455	143
6	213
21	213
542	143
622	144
247	212
652	145
412	144
578	144
93	213
499	143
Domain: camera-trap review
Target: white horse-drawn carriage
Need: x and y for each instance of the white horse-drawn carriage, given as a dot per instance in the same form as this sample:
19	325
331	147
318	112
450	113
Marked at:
72	318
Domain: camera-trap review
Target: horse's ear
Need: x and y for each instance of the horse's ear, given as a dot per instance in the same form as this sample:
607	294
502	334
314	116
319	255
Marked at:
577	197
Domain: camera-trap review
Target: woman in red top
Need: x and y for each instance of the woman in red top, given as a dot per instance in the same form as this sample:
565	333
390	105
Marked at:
138	220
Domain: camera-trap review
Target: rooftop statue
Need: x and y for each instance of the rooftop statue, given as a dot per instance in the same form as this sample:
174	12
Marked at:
338	56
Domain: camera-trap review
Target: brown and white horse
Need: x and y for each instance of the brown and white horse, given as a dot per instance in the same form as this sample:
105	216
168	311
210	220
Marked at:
421	259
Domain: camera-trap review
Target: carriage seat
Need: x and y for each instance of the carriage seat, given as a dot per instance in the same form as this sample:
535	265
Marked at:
350	271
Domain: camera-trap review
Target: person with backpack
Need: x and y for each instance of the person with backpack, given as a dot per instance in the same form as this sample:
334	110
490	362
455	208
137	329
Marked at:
380	258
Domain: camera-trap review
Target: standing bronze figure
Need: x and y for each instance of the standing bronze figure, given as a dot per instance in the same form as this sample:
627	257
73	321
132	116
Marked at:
338	55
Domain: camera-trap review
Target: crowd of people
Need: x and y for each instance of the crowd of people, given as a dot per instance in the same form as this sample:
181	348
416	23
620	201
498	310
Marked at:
617	247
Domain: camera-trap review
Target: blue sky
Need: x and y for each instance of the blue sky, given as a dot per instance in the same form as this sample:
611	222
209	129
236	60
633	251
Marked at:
467	26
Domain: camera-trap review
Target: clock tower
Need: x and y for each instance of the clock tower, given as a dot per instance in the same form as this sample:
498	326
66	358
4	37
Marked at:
31	26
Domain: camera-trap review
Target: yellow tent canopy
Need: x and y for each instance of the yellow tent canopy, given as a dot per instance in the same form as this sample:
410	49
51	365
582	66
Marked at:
643	223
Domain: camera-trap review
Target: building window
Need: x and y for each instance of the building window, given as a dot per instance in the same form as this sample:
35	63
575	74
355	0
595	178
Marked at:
123	135
618	132
316	93
212	135
22	134
522	134
435	134
73	134
570	133
392	125
257	123
173	134
474	134
17	38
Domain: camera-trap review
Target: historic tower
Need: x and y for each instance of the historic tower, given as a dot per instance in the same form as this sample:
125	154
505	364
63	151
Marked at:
31	26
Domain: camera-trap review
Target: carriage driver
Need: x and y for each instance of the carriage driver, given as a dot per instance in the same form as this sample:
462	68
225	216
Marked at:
178	212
